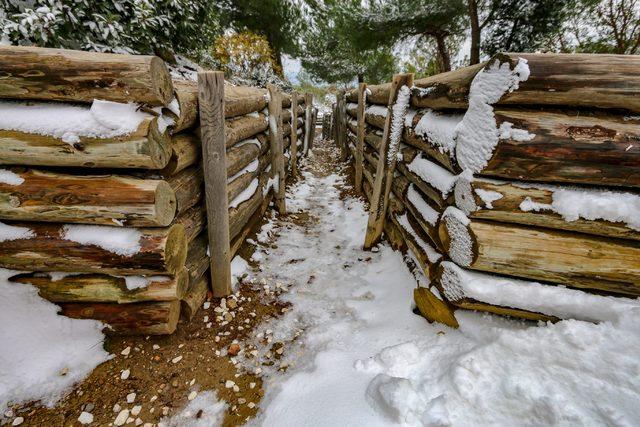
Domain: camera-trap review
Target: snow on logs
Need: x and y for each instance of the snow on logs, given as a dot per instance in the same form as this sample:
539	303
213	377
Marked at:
101	183
521	174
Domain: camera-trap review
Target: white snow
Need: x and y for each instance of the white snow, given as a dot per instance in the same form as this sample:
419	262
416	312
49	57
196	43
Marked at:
433	174
377	110
246	194
552	300
589	204
121	241
477	134
139	282
38	345
362	358
397	123
251	167
10	178
428	213
13	232
507	131
432	254
239	267
68	122
488	197
460	248
439	129
206	410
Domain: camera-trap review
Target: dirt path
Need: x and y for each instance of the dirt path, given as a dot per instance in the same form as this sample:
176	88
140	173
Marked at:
164	371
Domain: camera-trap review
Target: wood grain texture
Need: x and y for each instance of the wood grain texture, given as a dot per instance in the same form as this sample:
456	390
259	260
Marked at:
194	298
294	134
185	151
78	76
211	106
308	102
360	132
277	148
386	167
244	127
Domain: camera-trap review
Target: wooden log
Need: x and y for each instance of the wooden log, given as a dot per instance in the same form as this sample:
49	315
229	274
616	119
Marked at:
187	187
387	162
49	196
572	259
503	200
241	182
71	75
146	318
277	150
194	298
244	127
308	102
106	288
294	135
185	151
211	106
186	96
445	157
197	259
43	247
244	153
242	100
146	148
433	308
194	222
360	132
314	119
578	147
251	225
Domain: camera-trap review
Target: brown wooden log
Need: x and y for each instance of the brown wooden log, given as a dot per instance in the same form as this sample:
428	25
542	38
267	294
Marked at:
244	127
186	96
197	258
49	196
240	215
360	132
572	259
185	151
578	147
386	166
294	135
187	187
240	156
506	197
308	102
194	222
71	75
194	298
106	288
276	146
146	318
251	225
242	100
240	183
430	148
162	251
146	148
211	107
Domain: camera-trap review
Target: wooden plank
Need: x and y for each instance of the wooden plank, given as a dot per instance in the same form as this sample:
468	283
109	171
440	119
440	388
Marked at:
386	163
78	76
211	106
572	259
314	118
277	150
308	102
362	87
294	134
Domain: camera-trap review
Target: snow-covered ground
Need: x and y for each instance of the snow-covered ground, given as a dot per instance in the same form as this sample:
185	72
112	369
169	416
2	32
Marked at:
359	356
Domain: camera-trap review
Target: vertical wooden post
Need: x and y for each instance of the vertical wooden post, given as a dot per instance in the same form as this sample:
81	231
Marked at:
214	159
294	133
362	87
342	125
277	145
308	105
314	119
386	165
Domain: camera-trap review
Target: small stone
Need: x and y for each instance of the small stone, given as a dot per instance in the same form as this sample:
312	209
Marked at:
165	410
236	388
217	339
156	346
252	385
192	382
17	421
125	374
153	398
192	395
89	407
138	421
64	371
130	420
181	345
232	303
174	383
131	397
251	405
242	401
234	349
205	319
229	384
176	359
116	408
126	351
122	417
85	418
136	410
206	305
228	317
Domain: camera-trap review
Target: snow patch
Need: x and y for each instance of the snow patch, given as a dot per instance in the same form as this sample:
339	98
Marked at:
488	197
246	194
397	123
205	410
433	174
13	232
121	241
439	129
426	211
10	178
431	253
460	247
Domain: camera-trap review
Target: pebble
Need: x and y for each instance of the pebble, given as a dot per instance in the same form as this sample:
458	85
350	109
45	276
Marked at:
126	351
192	395
206	305
205	319
131	397
125	374
122	417
176	359
136	410
85	418
156	346
251	405
139	421
116	408
88	407
192	382
232	303
229	384
233	349
17	421
153	399
252	385
242	401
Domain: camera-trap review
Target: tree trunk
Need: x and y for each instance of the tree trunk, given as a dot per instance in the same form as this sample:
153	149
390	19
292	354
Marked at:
443	52
474	57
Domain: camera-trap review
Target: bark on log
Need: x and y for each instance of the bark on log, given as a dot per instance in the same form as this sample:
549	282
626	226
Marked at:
571	259
105	288
244	127
240	183
187	187
185	151
251	225
146	318
197	258
162	251
186	95
71	75
87	199
507	197
240	156
194	298
146	148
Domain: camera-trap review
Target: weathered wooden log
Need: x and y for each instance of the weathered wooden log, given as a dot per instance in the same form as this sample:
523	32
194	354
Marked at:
436	140
194	222
240	156
244	127
81	287
71	75
572	259
240	215
49	196
580	80
146	318
186	97
146	148
276	147
194	298
241	182
185	151
360	134
529	204
187	187
251	225
95	249
296	110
